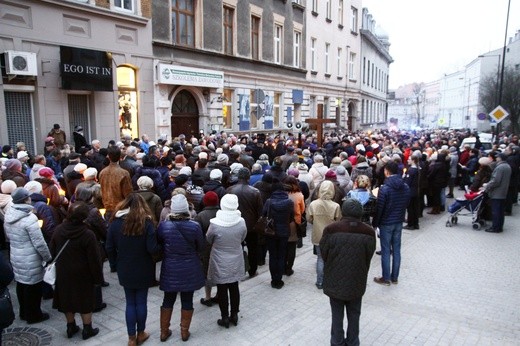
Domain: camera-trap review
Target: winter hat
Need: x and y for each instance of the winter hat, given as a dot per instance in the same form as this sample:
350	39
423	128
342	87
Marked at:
341	170
6	148
229	202
302	167
8	187
210	199
484	161
215	174
264	157
362	181
145	183
179	204
330	174
90	173
370	154
318	158
78	128
235	167
56	126
181	179
306	152
222	159
203	155
185	170
453	149
336	161
293	172
46	172
34	187
19	195
80	168
502	156
21	154
13	165
352	208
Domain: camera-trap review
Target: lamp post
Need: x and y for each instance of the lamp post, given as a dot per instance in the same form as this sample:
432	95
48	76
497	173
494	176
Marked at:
503	66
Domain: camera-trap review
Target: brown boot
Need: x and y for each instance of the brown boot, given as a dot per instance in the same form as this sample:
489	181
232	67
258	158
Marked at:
142	337
186	316
132	340
166	316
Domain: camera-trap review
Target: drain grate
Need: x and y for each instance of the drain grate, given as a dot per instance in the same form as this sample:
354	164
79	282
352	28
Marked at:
25	336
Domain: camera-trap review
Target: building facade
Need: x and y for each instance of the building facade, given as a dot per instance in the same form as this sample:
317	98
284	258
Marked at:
74	63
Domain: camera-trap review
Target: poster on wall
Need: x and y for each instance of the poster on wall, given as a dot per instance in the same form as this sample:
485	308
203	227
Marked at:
243	113
268	113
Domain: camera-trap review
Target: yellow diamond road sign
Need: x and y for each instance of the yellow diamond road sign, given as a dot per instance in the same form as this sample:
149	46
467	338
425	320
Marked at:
498	114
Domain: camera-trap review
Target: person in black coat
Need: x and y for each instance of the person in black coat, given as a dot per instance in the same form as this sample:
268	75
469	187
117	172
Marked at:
412	178
347	247
6	276
438	175
131	242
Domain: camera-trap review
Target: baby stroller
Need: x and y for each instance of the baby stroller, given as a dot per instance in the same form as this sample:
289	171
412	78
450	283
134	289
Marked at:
469	205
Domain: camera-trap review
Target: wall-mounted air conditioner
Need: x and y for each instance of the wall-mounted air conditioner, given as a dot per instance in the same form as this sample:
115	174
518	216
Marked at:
21	63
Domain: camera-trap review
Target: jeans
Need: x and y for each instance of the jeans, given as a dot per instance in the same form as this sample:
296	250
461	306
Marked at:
277	247
337	333
319	266
234	296
186	300
136	309
497	214
390	237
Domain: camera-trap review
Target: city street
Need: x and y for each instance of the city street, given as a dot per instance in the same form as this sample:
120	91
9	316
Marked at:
457	287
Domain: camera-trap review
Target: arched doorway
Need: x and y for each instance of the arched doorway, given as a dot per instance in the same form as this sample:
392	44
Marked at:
185	115
350	116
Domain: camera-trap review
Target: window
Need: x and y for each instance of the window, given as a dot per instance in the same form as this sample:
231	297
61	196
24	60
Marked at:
364	69
353	19
329	9
339	61
183	22
326	107
278	38
340	13
124	4
327	49
296	52
255	37
313	54
351	62
228	30
128	110
373	74
227	111
276	109
315	6
368	73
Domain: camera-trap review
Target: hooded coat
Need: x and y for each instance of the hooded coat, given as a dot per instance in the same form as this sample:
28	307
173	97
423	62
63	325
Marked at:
153	201
226	233
281	209
323	211
392	201
78	268
46	213
28	247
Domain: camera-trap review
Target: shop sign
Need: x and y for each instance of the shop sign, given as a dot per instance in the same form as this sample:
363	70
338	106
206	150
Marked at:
85	69
180	75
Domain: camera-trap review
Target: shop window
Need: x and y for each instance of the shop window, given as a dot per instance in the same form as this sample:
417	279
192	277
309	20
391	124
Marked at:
128	110
227	111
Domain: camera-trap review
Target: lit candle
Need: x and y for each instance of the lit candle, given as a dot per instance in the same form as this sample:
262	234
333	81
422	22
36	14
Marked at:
40	223
61	192
48	201
102	211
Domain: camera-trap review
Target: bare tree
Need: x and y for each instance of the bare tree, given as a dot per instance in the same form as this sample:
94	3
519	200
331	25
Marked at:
418	100
489	95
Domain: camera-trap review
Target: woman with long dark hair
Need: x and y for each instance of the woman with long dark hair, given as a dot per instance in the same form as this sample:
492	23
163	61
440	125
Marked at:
181	269
131	242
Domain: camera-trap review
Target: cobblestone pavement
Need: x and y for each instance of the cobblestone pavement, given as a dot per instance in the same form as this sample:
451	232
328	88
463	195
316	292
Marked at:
457	287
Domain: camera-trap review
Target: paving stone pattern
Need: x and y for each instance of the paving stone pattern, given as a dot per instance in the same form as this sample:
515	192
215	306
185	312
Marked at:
457	287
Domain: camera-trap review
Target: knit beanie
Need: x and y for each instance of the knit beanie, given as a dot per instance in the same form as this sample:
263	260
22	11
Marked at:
352	208
222	159
19	195
80	168
34	187
8	187
13	165
229	202
210	199
185	170
90	173
46	172
215	174
179	204
144	183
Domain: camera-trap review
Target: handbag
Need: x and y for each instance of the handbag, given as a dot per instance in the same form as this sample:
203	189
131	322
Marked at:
265	224
50	271
302	227
6	309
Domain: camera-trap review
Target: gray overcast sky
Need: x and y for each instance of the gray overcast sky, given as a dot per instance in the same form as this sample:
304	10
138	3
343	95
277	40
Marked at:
431	38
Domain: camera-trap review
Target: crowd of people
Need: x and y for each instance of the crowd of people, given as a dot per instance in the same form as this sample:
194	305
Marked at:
193	204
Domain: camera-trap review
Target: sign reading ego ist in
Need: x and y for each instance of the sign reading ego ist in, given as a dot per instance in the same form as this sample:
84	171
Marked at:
85	69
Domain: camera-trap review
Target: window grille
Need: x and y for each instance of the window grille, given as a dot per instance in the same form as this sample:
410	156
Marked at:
78	115
20	126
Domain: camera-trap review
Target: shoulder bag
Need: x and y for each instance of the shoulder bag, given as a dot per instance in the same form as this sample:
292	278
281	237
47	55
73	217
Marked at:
6	309
265	224
50	271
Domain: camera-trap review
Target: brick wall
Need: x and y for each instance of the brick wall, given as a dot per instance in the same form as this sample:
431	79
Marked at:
146	8
103	3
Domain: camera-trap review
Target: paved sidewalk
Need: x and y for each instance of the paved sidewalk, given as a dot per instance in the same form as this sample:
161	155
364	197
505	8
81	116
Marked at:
457	287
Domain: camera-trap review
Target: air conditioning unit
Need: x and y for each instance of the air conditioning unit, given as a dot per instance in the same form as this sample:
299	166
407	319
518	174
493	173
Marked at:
20	63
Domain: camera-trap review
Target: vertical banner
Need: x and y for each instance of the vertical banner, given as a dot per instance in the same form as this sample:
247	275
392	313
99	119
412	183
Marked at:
268	114
289	114
243	113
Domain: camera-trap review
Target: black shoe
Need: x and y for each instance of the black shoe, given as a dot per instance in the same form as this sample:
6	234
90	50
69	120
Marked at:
89	332
449	195
72	329
277	284
223	322
101	307
208	302
319	286
234	319
491	230
289	272
252	275
43	317
409	227
105	284
378	253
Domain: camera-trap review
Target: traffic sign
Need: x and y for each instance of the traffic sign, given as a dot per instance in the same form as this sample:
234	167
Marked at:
498	114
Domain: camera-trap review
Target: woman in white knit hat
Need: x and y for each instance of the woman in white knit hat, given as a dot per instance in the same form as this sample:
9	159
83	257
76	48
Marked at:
226	233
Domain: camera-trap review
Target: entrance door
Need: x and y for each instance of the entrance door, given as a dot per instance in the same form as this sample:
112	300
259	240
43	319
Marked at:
185	115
